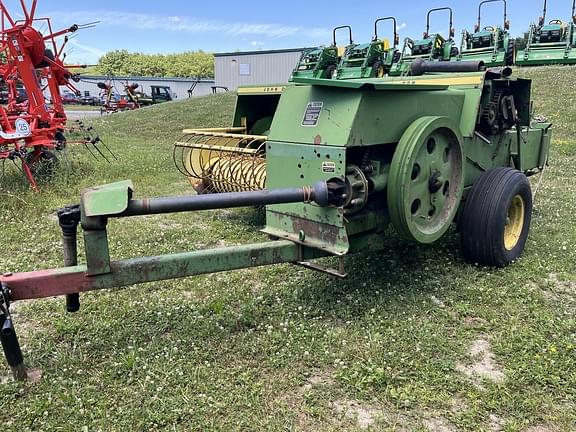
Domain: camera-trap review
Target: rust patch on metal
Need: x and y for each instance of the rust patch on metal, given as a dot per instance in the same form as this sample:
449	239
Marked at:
324	233
318	140
45	283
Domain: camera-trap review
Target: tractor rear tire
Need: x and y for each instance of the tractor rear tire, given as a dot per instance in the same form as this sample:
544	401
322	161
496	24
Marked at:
511	53
329	72
379	69
495	220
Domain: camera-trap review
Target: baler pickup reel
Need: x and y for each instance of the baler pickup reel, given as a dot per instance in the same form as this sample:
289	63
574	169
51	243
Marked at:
492	45
231	159
222	160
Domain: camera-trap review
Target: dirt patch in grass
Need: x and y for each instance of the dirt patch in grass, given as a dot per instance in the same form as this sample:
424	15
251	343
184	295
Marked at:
495	423
560	292
319	379
364	415
438	425
542	428
484	366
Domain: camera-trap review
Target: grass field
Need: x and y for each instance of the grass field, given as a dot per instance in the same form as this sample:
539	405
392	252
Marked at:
81	108
415	340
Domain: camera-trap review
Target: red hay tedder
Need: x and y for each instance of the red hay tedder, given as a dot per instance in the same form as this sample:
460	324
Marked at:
33	129
112	104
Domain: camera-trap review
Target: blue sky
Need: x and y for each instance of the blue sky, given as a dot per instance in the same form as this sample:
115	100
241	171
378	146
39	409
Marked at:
220	26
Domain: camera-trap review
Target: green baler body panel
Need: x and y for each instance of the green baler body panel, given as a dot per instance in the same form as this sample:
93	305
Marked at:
320	123
374	111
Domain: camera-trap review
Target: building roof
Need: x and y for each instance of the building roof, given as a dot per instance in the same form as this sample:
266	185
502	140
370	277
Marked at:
243	53
140	78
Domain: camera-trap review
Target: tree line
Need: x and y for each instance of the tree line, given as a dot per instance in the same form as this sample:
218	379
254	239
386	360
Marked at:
197	64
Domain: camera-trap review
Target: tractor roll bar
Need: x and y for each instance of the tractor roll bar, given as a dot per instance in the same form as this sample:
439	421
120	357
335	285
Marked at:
438	10
393	19
493	1
342	28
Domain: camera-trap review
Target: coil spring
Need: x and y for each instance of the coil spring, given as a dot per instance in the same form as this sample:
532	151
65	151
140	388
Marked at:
220	162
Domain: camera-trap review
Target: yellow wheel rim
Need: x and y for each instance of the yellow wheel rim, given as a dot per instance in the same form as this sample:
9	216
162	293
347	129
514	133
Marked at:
514	222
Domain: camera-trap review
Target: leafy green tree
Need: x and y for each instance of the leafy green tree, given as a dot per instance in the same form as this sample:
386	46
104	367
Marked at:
521	42
197	64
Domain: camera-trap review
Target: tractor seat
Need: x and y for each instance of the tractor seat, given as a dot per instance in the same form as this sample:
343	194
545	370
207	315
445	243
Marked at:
422	47
482	39
552	33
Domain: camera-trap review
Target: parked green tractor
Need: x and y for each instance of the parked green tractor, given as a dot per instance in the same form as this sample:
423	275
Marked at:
322	62
492	44
552	43
370	60
432	47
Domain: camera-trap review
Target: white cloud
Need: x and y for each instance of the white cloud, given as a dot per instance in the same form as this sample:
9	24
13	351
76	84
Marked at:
88	49
183	24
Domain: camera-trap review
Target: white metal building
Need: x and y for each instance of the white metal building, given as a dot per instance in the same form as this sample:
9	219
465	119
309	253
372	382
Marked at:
178	86
255	67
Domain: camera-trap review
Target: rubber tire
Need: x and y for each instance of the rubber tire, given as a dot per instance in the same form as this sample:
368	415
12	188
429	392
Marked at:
484	215
328	72
511	53
60	140
377	65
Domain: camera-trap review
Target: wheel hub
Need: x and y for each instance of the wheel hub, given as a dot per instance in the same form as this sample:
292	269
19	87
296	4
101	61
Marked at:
514	223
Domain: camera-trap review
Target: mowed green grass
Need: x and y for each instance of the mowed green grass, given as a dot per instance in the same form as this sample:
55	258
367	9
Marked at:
416	339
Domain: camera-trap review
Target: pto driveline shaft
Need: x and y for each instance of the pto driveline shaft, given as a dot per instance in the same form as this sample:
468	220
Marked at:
317	193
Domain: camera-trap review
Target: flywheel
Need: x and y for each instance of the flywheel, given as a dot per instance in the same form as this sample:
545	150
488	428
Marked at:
426	180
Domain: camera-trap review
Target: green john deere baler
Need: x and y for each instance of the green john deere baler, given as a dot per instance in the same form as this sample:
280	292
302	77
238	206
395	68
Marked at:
550	43
344	161
492	44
